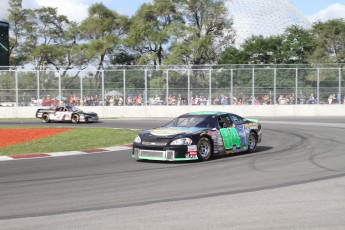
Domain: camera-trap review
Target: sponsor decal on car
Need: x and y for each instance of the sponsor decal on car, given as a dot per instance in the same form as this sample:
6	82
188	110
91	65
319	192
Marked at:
192	155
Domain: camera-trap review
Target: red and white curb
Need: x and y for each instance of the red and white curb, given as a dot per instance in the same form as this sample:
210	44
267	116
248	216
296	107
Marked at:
67	153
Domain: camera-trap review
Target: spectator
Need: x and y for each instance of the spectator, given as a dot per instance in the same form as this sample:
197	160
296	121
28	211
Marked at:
72	100
33	102
303	99
311	99
192	101
120	101
201	101
173	100
216	101
291	99
46	101
138	100
55	102
112	101
129	101
266	100
338	99
256	101
281	100
331	98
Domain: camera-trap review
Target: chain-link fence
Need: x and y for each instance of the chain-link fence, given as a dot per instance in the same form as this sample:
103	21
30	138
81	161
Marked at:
175	86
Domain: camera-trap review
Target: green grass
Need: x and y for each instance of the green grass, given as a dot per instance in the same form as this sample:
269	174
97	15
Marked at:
76	139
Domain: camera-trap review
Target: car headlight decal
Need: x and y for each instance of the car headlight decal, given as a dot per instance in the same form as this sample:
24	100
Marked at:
137	139
182	141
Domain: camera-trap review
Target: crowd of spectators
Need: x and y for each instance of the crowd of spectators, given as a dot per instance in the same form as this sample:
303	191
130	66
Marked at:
177	100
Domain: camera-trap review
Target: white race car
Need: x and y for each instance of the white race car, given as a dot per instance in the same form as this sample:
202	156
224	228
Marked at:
66	114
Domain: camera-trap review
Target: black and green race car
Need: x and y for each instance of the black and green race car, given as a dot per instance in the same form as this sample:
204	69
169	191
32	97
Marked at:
198	136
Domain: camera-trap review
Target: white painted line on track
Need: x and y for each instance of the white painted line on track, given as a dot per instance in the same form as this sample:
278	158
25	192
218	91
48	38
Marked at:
117	148
5	158
69	153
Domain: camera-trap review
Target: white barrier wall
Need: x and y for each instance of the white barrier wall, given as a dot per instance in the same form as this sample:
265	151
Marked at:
173	111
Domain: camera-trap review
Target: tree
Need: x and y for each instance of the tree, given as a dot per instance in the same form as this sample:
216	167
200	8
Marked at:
103	31
150	30
329	41
297	45
232	55
261	50
50	36
21	34
123	57
206	32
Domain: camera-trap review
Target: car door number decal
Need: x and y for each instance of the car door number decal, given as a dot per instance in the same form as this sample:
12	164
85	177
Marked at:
62	116
230	138
59	115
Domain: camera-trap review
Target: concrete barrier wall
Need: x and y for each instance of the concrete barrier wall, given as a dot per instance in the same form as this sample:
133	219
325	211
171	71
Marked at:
173	111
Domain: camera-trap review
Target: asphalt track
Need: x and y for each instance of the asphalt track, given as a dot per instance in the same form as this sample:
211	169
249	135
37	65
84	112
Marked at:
295	180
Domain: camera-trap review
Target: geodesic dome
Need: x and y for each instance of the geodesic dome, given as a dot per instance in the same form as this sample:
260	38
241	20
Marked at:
264	17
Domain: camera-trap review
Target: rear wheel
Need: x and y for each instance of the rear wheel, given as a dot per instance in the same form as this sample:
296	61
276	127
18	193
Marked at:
204	149
252	141
45	118
75	118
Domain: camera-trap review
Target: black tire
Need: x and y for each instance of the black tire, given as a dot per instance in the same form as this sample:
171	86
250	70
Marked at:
45	118
252	142
204	149
75	118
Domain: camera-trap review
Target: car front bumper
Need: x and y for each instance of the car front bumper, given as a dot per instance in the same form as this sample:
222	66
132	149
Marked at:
166	153
89	119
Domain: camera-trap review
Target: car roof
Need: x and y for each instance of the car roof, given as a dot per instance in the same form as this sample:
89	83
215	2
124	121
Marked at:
206	113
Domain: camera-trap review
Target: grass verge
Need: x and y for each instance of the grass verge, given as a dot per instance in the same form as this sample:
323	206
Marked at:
76	139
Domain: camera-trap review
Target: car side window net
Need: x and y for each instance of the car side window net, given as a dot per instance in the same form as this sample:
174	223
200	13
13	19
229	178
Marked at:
237	120
224	122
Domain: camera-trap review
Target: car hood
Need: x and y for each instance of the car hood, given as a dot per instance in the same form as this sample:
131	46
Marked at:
171	132
90	113
85	112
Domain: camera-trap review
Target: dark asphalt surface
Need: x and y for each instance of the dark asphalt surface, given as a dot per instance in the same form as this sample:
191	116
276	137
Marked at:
290	154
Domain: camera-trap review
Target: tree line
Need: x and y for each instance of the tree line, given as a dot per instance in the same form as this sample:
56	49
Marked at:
180	32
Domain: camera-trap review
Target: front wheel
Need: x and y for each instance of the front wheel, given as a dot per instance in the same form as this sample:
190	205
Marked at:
252	141
204	149
75	118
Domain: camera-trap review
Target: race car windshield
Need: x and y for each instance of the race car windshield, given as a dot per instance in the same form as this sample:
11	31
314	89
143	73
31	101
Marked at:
192	121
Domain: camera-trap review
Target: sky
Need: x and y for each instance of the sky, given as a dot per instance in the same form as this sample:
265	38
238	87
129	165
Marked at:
76	10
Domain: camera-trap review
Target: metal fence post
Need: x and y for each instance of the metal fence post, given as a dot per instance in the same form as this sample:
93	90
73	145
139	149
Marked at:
146	98
275	86
253	86
103	101
16	85
318	86
38	85
188	89
210	85
232	86
296	86
60	88
167	82
340	86
81	88
124	87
